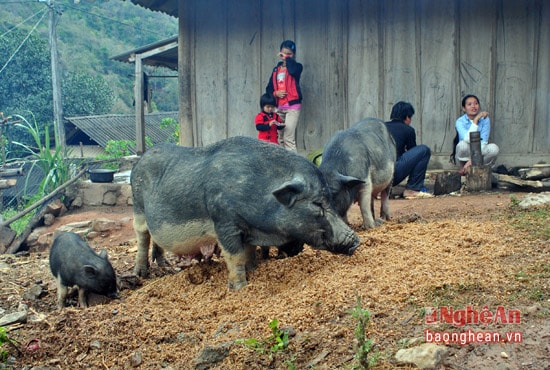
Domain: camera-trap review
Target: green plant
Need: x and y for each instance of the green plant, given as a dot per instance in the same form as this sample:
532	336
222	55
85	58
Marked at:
514	201
364	346
53	164
18	225
172	124
4	339
277	341
532	220
113	150
289	363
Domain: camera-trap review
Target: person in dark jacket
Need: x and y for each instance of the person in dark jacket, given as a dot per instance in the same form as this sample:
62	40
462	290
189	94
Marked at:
284	86
412	160
267	121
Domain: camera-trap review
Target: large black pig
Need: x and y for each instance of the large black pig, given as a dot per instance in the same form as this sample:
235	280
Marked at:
73	262
239	192
365	151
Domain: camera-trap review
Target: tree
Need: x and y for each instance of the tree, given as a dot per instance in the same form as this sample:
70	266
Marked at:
26	80
86	95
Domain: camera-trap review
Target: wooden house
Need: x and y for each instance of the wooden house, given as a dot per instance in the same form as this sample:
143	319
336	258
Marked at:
362	56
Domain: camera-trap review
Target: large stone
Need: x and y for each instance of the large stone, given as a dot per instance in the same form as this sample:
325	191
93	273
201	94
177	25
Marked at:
425	356
6	238
103	224
14	318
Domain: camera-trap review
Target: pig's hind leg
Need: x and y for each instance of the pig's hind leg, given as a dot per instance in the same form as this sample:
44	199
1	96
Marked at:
62	292
157	254
385	204
143	240
82	298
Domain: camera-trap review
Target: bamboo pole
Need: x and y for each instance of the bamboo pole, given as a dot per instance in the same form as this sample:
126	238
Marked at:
44	199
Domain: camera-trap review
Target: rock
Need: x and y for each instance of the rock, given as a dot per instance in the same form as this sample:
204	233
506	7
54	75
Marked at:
44	241
35	292
77	202
533	200
79	225
211	355
533	309
14	318
109	198
136	359
56	208
103	224
49	219
425	356
6	237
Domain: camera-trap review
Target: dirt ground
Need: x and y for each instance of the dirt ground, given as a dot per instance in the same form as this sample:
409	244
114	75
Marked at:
448	251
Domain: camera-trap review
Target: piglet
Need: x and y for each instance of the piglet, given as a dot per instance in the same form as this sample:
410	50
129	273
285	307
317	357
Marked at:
74	263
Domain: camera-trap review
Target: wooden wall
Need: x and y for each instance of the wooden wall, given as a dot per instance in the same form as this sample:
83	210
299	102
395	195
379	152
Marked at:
362	56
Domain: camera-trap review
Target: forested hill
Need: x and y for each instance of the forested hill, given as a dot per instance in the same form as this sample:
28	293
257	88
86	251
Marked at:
89	32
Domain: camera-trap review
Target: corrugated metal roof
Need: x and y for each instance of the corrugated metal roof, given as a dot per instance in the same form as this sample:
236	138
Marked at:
169	7
166	54
103	128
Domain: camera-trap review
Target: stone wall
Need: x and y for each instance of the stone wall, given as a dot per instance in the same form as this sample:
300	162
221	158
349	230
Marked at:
87	193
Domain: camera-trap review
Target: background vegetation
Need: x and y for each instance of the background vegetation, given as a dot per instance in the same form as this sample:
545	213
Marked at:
88	34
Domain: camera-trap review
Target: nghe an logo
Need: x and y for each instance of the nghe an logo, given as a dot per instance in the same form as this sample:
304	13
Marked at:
471	316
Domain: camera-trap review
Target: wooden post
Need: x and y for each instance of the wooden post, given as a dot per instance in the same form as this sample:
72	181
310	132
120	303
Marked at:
478	176
447	182
186	115
56	81
139	108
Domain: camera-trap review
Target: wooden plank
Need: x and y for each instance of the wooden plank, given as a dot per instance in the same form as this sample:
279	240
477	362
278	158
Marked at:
514	75
211	71
541	128
517	181
435	123
365	61
317	53
243	69
400	51
534	173
7	183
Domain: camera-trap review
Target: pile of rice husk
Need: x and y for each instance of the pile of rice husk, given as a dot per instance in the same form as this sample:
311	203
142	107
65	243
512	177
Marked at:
446	251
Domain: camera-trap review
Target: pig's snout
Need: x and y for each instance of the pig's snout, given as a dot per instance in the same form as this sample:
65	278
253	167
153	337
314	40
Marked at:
349	246
113	295
355	245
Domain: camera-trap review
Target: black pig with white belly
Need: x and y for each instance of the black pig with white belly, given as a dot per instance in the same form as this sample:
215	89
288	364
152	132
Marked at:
73	262
239	192
365	151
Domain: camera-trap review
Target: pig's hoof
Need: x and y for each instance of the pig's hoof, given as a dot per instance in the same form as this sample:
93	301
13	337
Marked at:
237	285
141	272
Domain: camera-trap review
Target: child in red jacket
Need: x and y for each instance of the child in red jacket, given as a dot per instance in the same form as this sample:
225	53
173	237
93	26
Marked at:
267	121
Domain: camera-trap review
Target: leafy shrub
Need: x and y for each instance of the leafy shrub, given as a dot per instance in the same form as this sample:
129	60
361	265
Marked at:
53	164
364	345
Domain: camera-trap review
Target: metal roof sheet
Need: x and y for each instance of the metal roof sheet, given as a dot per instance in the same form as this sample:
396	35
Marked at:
169	7
103	128
159	54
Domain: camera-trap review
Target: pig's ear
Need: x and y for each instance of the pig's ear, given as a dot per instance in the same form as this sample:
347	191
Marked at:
103	254
287	193
90	271
349	182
